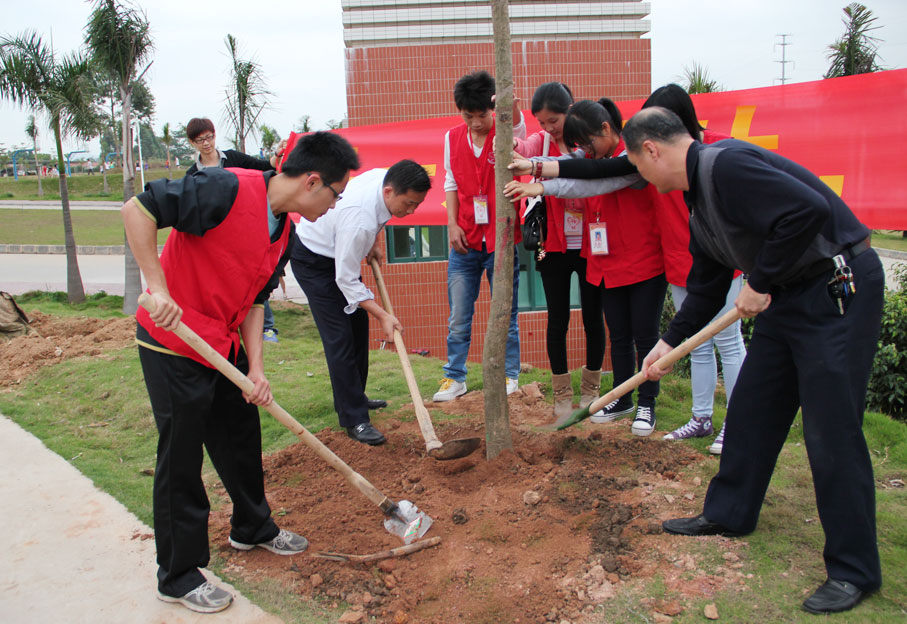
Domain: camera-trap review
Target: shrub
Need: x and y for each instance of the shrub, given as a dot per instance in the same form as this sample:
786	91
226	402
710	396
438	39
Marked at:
888	383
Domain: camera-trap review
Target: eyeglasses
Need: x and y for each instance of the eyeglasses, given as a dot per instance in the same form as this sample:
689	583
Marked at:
331	188
204	139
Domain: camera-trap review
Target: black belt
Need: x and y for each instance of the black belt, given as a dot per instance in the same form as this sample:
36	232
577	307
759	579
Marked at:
827	265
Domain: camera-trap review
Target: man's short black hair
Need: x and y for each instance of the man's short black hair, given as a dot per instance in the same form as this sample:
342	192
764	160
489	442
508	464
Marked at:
407	175
473	92
653	124
325	153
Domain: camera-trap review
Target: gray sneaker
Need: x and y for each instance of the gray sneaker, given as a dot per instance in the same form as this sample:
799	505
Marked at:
286	543
206	598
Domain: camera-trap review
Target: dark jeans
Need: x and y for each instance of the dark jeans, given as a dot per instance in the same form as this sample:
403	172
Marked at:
805	354
193	406
344	336
633	314
556	269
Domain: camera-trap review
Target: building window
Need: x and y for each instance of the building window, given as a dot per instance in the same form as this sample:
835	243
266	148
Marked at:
416	243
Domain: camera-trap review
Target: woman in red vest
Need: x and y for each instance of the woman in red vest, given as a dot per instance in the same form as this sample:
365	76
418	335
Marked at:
562	257
623	251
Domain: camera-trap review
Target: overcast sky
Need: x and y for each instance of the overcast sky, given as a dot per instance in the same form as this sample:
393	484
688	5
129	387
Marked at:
300	48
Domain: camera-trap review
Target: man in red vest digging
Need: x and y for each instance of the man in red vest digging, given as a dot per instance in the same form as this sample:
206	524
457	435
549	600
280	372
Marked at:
231	238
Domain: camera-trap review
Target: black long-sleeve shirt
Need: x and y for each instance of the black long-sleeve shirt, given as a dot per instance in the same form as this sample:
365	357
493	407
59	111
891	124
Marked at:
233	158
772	197
592	168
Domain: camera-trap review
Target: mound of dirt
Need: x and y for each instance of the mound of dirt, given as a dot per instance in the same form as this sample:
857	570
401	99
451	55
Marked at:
53	339
541	534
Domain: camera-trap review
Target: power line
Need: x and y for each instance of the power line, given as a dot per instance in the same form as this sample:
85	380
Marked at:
783	60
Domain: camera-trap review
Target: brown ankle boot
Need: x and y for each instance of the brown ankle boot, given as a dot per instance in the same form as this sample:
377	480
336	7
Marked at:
589	386
563	395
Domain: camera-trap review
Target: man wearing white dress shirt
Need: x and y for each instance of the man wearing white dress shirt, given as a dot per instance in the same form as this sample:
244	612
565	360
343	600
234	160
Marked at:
327	265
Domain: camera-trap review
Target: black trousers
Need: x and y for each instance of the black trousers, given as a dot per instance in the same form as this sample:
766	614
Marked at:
344	336
196	406
556	269
804	354
633	313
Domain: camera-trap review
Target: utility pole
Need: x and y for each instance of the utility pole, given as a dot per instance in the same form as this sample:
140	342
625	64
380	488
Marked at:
783	60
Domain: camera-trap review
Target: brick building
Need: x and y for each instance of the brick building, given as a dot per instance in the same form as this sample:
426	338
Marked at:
402	60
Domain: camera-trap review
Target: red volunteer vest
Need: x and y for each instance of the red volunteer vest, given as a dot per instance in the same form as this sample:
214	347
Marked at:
556	209
634	243
673	217
475	176
215	277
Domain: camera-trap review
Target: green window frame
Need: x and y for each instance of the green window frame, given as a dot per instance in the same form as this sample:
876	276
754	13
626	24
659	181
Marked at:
402	239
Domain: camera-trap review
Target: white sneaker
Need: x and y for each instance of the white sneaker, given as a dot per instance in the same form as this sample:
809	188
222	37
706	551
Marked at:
718	445
512	385
610	412
449	390
206	598
285	543
644	423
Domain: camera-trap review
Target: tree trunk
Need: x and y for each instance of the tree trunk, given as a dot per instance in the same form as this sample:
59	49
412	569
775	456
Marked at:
497	413
34	144
169	165
133	276
74	288
104	172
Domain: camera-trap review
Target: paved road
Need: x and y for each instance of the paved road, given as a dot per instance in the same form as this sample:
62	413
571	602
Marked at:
71	553
21	273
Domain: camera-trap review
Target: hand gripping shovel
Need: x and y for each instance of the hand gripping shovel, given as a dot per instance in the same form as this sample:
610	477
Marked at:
404	519
452	449
639	378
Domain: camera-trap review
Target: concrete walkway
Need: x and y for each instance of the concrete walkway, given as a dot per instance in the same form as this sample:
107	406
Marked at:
20	204
71	553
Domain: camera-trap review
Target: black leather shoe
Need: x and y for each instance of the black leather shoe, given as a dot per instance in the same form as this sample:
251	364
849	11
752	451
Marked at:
376	403
833	596
366	433
697	526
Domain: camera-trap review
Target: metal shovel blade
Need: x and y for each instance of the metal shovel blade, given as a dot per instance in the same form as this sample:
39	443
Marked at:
407	522
455	449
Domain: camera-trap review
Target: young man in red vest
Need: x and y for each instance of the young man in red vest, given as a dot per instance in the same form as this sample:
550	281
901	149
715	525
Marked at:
469	189
230	240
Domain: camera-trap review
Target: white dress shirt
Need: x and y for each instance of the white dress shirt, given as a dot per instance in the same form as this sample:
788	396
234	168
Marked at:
348	231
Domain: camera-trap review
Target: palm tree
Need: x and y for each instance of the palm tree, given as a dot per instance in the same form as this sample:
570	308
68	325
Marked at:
167	139
856	52
119	38
696	80
246	95
304	124
31	75
31	129
269	138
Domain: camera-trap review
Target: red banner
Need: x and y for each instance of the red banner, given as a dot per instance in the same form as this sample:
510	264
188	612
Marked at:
849	131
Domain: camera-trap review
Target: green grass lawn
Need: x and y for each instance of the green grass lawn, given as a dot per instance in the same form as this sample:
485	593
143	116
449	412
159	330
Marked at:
889	239
94	412
81	186
45	227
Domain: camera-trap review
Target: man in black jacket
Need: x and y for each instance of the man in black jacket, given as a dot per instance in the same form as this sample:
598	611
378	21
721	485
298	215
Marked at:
817	288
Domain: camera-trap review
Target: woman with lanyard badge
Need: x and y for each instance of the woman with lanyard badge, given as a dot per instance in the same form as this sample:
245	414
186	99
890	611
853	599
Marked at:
622	249
562	257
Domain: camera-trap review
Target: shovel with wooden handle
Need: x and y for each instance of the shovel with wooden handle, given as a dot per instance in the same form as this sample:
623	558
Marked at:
452	449
404	519
669	359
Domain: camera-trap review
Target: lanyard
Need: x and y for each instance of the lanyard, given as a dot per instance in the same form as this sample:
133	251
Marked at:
476	159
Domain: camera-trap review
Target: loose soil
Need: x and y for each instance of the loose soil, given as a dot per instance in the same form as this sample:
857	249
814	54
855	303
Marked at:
546	533
52	339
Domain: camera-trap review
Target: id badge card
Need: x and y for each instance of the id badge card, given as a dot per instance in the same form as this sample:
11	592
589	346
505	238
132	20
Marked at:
480	209
598	239
573	220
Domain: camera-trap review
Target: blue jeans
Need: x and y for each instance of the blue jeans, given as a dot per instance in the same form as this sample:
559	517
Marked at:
269	319
703	367
464	276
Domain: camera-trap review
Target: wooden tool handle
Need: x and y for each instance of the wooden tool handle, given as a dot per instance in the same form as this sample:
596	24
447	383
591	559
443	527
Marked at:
246	385
422	415
669	359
